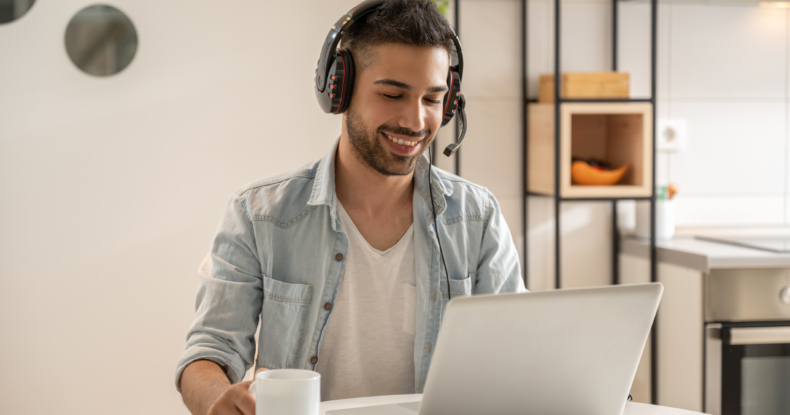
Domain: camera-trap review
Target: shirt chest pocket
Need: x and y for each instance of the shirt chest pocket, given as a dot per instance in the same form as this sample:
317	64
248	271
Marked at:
285	307
458	288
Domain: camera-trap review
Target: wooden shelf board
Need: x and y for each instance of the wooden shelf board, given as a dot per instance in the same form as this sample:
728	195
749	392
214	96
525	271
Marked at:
598	192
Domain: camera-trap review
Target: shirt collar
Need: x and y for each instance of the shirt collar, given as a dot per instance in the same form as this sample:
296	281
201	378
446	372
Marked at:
440	191
324	184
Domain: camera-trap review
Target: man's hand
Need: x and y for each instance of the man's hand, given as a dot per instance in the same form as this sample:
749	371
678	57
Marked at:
207	391
236	399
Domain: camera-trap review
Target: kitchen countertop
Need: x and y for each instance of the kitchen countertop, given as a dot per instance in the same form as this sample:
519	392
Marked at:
687	250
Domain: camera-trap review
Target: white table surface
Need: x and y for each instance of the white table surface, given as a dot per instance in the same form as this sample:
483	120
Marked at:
631	408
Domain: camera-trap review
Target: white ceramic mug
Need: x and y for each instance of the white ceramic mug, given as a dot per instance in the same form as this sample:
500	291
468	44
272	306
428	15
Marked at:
287	391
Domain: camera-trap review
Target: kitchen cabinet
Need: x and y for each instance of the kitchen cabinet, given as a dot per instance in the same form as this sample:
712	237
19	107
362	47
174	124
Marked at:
711	292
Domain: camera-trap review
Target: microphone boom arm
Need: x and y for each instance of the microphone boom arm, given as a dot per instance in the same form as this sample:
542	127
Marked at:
452	148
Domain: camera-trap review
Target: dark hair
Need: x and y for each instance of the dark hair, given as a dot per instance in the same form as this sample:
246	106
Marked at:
406	22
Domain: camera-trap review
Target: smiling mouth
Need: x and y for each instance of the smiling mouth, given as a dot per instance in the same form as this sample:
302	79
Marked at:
401	141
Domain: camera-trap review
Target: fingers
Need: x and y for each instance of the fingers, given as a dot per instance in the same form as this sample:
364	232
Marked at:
236	400
244	400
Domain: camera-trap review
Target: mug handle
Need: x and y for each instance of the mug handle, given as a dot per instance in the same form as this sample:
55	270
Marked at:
252	388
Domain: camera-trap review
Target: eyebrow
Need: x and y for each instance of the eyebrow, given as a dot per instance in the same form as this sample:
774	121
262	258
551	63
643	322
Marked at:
407	87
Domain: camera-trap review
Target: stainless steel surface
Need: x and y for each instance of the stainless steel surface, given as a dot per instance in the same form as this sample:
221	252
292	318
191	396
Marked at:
759	335
101	40
713	369
746	295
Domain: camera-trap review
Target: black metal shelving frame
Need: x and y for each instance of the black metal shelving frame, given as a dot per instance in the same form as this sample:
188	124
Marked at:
558	199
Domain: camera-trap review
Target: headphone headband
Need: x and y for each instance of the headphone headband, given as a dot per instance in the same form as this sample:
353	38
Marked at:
459	55
332	40
335	34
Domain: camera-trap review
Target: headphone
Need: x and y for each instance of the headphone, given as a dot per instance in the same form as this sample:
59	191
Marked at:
334	76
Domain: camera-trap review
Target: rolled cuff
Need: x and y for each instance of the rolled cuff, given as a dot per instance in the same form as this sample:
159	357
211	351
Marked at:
230	364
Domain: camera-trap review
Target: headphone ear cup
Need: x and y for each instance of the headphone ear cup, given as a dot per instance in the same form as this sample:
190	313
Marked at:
451	98
347	86
329	98
339	84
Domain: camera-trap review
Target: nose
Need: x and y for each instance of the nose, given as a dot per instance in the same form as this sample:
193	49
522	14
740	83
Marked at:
413	116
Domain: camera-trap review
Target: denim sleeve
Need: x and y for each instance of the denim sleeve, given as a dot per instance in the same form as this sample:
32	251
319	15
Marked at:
228	300
499	270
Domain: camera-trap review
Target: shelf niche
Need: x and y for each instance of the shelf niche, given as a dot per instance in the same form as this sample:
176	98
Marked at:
617	133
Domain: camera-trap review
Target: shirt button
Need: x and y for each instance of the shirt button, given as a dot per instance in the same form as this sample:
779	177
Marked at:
339	257
313	360
328	306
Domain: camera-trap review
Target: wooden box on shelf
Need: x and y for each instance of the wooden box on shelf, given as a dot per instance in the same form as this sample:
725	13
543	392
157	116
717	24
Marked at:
585	85
618	133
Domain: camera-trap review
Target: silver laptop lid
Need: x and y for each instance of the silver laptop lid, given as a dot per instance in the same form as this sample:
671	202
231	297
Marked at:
556	352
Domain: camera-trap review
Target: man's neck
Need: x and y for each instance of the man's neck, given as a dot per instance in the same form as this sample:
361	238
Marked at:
361	188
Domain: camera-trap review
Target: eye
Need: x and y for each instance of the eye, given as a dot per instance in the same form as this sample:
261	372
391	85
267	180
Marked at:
434	101
391	96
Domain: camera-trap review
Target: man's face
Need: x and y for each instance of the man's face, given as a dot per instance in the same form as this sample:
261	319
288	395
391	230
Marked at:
397	108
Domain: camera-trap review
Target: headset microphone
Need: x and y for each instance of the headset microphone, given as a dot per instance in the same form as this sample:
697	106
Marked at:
452	148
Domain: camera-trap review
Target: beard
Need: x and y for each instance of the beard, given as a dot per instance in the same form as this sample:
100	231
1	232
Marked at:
368	147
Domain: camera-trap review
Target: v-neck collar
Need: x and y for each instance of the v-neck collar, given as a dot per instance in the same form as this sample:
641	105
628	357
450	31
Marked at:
402	239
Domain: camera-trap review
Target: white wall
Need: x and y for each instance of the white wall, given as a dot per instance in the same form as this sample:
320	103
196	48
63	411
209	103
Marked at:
112	187
729	80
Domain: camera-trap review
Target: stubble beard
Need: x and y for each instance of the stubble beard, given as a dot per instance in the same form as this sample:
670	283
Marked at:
368	147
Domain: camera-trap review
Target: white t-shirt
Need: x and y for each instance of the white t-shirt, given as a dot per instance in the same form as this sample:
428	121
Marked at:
368	344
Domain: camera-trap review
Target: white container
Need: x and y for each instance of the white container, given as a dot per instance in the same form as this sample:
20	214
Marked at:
665	219
287	392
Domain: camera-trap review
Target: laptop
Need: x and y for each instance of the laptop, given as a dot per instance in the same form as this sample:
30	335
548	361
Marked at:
556	352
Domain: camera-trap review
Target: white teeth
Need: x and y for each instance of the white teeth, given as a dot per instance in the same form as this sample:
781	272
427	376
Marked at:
401	141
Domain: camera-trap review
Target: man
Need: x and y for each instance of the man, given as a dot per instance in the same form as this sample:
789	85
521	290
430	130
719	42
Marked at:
341	258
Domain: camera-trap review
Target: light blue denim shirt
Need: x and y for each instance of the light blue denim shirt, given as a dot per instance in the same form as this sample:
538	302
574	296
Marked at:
280	251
